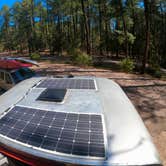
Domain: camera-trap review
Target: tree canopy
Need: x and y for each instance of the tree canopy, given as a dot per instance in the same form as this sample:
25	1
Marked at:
134	28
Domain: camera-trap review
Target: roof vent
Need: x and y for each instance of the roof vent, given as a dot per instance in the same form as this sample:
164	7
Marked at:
53	95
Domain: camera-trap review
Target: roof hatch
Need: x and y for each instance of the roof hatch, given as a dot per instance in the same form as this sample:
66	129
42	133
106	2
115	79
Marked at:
53	95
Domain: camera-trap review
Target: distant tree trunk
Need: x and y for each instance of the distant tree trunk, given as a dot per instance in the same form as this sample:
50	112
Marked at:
100	27
32	27
163	30
106	20
59	30
86	28
144	60
29	47
124	27
133	28
48	24
82	30
117	43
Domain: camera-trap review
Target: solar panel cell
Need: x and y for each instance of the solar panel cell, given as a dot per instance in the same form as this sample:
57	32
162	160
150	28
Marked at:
96	138
95	126
72	117
82	137
84	117
41	130
14	133
20	124
58	123
30	128
96	150
46	121
50	114
26	117
96	118
35	119
40	113
35	140
83	125
80	153
10	122
70	126
60	115
19	113
10	114
5	129
49	143
64	147
69	123
54	132
95	154
24	137
80	149
17	116
30	111
17	109
67	134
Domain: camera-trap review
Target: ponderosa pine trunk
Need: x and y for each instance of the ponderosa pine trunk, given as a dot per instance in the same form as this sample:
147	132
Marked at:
88	47
124	27
147	31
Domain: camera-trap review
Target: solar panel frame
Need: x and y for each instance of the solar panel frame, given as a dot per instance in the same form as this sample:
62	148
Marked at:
27	137
68	83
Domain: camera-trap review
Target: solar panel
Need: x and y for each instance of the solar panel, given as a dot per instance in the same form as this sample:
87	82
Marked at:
69	133
55	95
68	84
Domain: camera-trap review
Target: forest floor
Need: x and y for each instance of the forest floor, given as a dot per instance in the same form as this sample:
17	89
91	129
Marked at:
146	93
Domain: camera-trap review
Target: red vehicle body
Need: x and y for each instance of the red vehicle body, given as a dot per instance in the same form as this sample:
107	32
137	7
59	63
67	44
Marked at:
15	63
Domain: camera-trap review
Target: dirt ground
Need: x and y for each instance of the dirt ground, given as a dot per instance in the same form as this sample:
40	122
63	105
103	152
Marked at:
147	94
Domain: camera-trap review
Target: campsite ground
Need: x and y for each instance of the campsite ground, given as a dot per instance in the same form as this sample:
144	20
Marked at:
147	94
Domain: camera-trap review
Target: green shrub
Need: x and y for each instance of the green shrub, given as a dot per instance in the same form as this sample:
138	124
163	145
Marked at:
127	65
82	59
79	58
35	56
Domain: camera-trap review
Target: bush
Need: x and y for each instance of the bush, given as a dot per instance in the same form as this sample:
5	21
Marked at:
79	58
35	56
127	65
82	59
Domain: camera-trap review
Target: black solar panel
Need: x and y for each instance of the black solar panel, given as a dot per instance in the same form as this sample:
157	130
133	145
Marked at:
55	95
74	134
67	84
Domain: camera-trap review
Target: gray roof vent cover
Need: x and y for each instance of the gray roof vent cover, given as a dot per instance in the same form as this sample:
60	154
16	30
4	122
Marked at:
52	95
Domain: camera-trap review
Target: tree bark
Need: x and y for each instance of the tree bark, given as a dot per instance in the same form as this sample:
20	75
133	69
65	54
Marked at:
147	29
134	17
124	27
86	28
100	27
